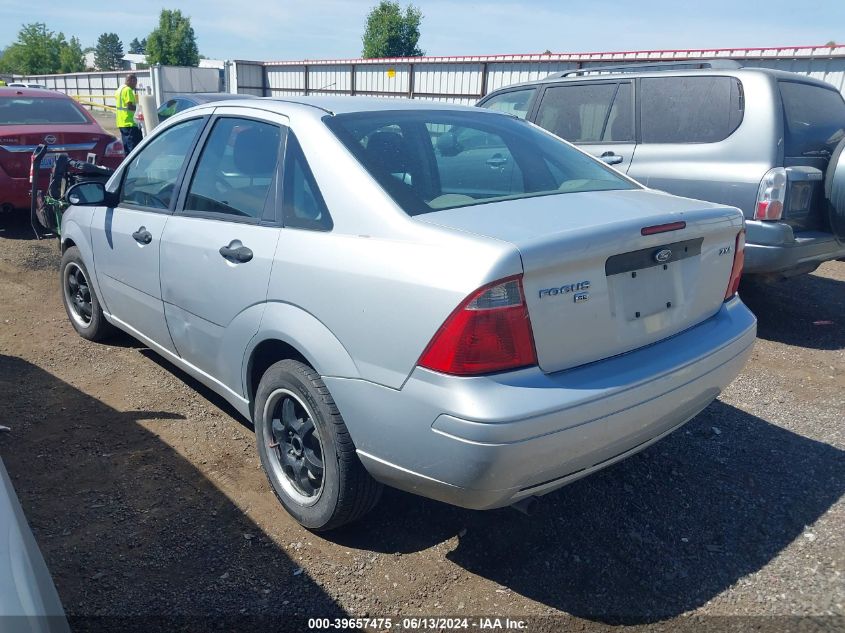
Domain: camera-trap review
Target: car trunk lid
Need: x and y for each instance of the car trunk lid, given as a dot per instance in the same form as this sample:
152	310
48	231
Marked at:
18	142
595	285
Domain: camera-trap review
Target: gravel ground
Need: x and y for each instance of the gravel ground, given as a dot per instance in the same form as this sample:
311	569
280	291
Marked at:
146	496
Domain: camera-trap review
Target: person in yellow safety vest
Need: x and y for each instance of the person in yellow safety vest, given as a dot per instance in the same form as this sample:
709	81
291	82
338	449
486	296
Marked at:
2	83
125	106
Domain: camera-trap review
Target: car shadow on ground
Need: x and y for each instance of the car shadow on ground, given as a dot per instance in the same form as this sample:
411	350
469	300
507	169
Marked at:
647	539
129	528
806	311
212	396
14	225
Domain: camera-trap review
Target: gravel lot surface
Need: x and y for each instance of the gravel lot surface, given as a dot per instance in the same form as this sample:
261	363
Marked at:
146	496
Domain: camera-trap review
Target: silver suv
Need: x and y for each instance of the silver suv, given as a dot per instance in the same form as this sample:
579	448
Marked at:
760	140
439	298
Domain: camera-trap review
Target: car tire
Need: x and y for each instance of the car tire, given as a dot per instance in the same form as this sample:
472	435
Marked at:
306	451
80	300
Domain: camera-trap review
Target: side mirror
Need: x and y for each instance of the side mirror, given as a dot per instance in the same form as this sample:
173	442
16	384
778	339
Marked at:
87	194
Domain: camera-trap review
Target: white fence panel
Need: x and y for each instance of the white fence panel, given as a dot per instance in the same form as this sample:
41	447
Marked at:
286	80
176	80
380	79
450	79
323	79
250	78
93	87
466	79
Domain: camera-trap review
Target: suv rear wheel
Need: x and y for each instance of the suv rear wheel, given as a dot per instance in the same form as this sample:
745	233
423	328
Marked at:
306	450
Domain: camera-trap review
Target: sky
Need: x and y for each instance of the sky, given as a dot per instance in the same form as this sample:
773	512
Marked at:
332	29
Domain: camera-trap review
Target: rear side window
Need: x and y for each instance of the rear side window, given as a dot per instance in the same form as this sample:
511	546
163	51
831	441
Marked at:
515	102
304	207
814	119
38	111
577	113
701	109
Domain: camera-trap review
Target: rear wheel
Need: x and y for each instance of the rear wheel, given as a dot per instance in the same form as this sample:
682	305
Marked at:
81	302
306	450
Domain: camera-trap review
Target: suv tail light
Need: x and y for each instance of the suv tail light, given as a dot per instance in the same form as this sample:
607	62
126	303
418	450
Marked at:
115	148
489	332
739	262
771	195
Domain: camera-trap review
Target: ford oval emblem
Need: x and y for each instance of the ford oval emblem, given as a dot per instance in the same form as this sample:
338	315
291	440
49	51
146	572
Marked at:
49	139
663	255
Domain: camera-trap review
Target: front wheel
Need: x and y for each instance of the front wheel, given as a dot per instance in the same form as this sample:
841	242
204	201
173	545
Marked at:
81	302
306	450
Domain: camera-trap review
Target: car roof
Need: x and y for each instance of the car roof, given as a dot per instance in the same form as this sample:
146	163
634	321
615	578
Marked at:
346	105
207	97
15	91
720	72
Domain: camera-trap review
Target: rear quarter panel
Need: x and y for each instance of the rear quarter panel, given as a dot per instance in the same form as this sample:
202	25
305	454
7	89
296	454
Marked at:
382	299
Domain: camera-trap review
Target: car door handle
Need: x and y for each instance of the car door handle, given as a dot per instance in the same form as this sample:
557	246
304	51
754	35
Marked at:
142	236
611	159
497	161
236	252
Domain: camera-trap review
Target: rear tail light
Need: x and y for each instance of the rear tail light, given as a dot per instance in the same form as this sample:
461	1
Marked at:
115	149
489	332
771	195
739	262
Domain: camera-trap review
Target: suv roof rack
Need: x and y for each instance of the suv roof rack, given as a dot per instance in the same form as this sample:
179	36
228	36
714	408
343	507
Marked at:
676	65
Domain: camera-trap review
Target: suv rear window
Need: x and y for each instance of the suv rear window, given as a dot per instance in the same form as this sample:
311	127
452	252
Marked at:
38	110
814	118
428	160
703	109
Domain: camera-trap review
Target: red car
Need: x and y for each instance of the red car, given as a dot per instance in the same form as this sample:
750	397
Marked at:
29	117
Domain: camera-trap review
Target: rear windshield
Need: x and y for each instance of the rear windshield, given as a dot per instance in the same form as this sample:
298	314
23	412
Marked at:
38	110
814	119
428	160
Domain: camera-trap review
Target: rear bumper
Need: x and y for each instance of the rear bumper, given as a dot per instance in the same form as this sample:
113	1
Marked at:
773	249
16	191
487	442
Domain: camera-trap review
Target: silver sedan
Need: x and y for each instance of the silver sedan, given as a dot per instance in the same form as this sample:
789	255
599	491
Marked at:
446	300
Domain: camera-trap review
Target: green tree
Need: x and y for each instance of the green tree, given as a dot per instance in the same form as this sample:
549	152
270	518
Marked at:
71	56
392	33
138	47
35	52
173	42
108	55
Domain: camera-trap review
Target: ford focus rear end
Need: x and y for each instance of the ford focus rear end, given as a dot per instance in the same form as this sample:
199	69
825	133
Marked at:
620	323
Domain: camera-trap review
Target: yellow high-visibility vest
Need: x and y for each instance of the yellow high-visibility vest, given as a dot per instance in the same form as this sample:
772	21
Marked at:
123	96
